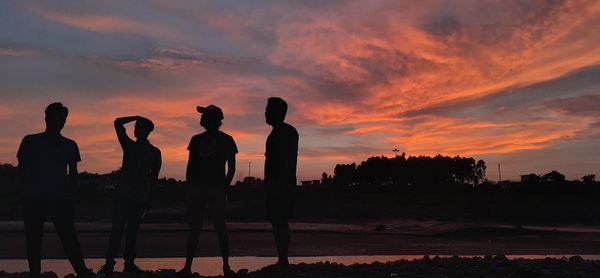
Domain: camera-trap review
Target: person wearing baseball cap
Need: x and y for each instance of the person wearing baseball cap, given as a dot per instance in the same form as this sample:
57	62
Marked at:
207	180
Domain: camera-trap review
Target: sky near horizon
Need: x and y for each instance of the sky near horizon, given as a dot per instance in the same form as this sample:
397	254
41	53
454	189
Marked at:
511	82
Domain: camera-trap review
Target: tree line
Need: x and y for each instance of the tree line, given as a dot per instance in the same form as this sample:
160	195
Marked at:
414	170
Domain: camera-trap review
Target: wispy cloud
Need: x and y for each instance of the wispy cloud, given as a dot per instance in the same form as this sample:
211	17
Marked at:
492	79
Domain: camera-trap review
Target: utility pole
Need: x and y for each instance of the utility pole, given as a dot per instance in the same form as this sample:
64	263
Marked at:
249	166
499	173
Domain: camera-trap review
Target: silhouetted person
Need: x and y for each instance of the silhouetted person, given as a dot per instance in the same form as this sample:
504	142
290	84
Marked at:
280	175
140	168
48	190
207	181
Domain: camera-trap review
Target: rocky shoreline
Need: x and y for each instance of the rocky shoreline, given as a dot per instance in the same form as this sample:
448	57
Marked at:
489	266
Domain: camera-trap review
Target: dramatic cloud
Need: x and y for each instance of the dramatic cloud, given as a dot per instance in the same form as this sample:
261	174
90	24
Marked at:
500	80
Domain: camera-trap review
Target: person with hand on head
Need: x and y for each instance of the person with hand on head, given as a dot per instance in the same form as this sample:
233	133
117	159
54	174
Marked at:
207	182
281	158
139	173
47	189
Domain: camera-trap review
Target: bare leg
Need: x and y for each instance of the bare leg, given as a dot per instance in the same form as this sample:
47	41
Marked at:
34	229
193	239
62	216
217	211
133	225
281	233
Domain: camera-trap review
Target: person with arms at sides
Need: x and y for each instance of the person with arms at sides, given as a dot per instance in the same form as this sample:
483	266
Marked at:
207	182
47	189
139	172
281	157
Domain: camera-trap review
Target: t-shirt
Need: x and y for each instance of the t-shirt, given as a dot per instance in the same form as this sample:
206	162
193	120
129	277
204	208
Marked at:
140	168
45	161
208	154
281	157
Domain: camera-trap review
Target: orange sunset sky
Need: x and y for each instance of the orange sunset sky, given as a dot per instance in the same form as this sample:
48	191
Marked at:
508	81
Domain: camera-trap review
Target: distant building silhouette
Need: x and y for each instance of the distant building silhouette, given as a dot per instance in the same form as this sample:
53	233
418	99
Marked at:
250	182
530	178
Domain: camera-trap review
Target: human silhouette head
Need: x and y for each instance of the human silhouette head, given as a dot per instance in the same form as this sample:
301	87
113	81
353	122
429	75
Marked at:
212	117
143	127
275	111
56	117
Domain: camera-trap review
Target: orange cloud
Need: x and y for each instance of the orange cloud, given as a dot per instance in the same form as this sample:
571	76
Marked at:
16	52
105	23
361	78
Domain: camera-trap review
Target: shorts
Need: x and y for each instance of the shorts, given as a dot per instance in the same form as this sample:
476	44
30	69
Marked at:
203	198
280	206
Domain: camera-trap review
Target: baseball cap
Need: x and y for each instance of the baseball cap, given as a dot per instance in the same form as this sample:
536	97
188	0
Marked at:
211	110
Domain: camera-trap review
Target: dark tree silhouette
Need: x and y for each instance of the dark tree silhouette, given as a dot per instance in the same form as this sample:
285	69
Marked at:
589	179
480	170
326	179
345	174
415	170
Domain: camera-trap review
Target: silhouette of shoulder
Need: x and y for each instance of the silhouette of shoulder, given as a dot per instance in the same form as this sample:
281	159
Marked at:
284	134
289	130
69	141
221	136
37	140
156	149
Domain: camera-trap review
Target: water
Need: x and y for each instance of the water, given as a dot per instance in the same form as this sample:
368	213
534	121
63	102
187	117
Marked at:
211	266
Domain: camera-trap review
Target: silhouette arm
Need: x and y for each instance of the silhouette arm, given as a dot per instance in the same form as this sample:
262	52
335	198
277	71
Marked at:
291	158
23	169
22	179
188	171
156	166
72	178
120	129
230	170
154	175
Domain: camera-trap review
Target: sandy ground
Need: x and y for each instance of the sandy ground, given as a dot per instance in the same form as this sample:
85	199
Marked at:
309	239
489	267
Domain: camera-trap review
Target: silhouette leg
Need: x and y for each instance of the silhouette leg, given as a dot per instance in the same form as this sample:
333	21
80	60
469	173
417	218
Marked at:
62	216
217	209
133	226
281	233
118	225
195	206
34	229
193	239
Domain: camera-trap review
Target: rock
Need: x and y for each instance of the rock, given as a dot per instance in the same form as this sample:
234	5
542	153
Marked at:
379	228
500	257
576	260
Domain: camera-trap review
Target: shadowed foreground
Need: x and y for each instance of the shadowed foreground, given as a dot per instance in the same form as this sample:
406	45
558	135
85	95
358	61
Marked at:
489	266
